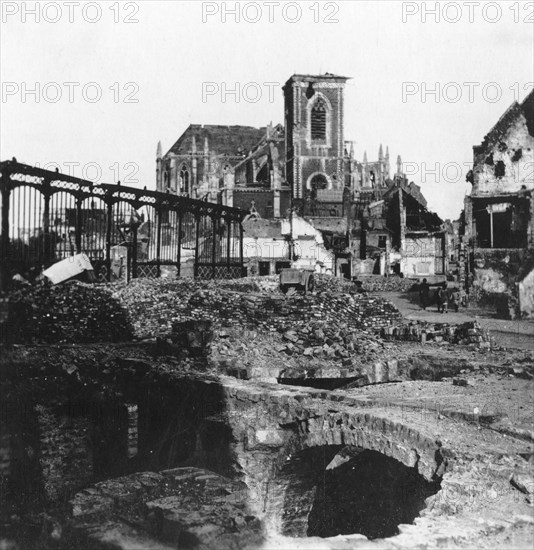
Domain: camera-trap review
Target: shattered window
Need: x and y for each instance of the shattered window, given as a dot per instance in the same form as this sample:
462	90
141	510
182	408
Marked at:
319	181
500	169
517	155
318	121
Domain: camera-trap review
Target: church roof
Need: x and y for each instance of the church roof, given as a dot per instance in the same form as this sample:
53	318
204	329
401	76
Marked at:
222	140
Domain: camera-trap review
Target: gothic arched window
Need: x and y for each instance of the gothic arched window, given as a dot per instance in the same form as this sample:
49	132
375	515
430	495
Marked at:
318	120
184	179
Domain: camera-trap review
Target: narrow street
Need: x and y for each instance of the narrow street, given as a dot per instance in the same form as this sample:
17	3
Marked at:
510	334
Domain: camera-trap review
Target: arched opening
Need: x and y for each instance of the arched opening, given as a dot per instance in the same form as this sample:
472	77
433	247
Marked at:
264	176
318	120
336	490
318	182
184	179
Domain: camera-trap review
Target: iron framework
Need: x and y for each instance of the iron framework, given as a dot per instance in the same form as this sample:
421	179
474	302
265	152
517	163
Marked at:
48	216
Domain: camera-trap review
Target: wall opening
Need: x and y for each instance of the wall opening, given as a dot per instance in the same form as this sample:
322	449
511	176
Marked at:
336	490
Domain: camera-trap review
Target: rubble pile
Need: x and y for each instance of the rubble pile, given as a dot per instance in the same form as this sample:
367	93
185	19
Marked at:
300	336
335	346
327	283
360	311
155	306
277	312
417	331
387	284
72	312
264	333
198	508
315	350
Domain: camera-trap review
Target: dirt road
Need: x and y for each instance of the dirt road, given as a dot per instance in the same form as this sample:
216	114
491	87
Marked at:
511	334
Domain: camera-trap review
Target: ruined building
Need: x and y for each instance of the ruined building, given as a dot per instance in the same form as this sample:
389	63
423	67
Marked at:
307	167
499	223
307	160
392	229
233	165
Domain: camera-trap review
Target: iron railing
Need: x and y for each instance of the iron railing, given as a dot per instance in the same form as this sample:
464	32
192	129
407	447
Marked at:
48	216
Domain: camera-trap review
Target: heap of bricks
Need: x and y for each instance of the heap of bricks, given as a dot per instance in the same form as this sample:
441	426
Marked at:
315	350
417	331
276	312
72	312
260	332
155	306
387	284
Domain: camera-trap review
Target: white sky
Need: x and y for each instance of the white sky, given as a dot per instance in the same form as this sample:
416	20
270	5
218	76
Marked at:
170	52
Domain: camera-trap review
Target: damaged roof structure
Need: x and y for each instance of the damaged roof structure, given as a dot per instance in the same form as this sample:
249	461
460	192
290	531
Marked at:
499	220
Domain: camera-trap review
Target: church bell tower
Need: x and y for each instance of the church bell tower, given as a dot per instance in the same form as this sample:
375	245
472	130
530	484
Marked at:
314	111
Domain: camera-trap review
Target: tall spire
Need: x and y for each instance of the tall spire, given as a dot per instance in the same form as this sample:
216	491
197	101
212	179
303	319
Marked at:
351	149
387	167
380	153
365	157
399	166
158	150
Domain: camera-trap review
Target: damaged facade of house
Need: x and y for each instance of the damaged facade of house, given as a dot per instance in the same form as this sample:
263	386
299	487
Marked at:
392	230
370	221
271	245
498	215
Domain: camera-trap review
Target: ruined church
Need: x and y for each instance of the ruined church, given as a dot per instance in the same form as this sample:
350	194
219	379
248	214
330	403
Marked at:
370	218
307	159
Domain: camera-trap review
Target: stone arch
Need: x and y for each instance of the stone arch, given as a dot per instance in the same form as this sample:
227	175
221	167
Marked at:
373	433
336	430
329	433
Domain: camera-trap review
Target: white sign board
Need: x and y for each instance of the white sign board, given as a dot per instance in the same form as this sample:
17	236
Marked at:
65	269
498	208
